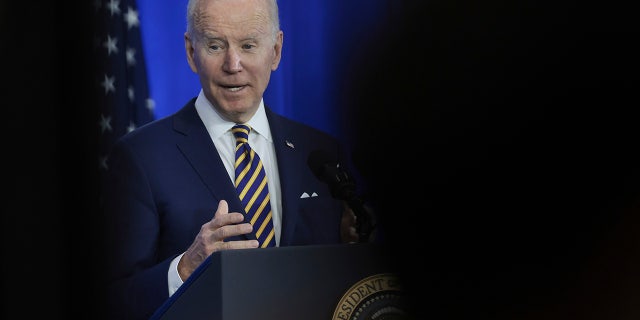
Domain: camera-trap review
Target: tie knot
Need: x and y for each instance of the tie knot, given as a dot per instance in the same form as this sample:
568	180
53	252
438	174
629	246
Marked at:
241	132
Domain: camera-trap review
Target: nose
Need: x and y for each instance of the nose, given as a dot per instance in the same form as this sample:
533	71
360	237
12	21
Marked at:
232	61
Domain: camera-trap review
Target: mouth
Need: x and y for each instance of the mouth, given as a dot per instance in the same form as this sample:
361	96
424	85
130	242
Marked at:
233	88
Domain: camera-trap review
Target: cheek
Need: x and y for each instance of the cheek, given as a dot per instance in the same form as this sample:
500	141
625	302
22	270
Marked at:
201	59
206	65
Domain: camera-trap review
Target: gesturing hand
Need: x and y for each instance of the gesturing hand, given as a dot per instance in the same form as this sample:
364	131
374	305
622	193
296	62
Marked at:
211	239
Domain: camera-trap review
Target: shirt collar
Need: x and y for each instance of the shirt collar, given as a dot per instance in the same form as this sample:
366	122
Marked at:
218	126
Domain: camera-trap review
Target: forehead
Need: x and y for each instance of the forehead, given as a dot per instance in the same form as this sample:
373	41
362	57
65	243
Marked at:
233	17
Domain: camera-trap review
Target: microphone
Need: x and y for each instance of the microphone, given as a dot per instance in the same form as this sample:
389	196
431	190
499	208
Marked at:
342	187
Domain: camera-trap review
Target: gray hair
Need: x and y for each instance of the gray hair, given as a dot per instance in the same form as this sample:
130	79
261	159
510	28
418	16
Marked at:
193	16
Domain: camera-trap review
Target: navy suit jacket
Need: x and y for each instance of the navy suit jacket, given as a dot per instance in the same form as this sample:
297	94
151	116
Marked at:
164	182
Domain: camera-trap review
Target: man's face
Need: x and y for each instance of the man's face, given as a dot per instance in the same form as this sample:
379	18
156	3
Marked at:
233	50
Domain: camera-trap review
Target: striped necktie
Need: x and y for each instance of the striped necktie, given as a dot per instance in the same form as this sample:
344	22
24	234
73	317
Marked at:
252	188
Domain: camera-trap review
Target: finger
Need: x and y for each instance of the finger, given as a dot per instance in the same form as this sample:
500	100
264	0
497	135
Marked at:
348	212
231	230
348	217
240	244
223	217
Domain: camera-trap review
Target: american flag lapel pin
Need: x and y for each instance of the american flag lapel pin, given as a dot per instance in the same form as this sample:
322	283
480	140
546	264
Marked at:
289	144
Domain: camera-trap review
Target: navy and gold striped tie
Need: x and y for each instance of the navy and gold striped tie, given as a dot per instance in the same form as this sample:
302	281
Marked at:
251	185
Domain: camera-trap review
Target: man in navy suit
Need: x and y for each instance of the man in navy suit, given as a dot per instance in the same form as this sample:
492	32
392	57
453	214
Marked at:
169	196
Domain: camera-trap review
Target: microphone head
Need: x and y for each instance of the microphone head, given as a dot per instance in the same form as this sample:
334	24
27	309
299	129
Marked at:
329	171
318	161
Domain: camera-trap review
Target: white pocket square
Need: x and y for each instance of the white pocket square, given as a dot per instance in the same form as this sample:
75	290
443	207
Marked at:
306	195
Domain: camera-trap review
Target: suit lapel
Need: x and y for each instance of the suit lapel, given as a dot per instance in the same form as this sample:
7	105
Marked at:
290	160
205	161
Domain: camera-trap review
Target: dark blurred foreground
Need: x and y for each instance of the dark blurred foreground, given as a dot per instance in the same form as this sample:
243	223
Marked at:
500	141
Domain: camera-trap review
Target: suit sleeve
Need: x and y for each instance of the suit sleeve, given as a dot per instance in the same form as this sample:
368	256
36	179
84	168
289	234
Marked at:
136	281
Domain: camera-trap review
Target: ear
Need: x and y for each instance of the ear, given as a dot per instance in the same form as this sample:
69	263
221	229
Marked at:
189	47
277	48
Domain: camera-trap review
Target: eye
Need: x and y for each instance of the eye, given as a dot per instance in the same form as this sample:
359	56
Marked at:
248	46
215	47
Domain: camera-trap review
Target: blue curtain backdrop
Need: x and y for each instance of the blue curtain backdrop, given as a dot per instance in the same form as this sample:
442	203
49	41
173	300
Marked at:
320	37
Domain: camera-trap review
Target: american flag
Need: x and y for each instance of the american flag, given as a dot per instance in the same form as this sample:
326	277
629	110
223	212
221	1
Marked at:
121	80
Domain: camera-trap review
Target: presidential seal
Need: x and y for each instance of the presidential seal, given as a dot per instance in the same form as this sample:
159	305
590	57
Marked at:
377	297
